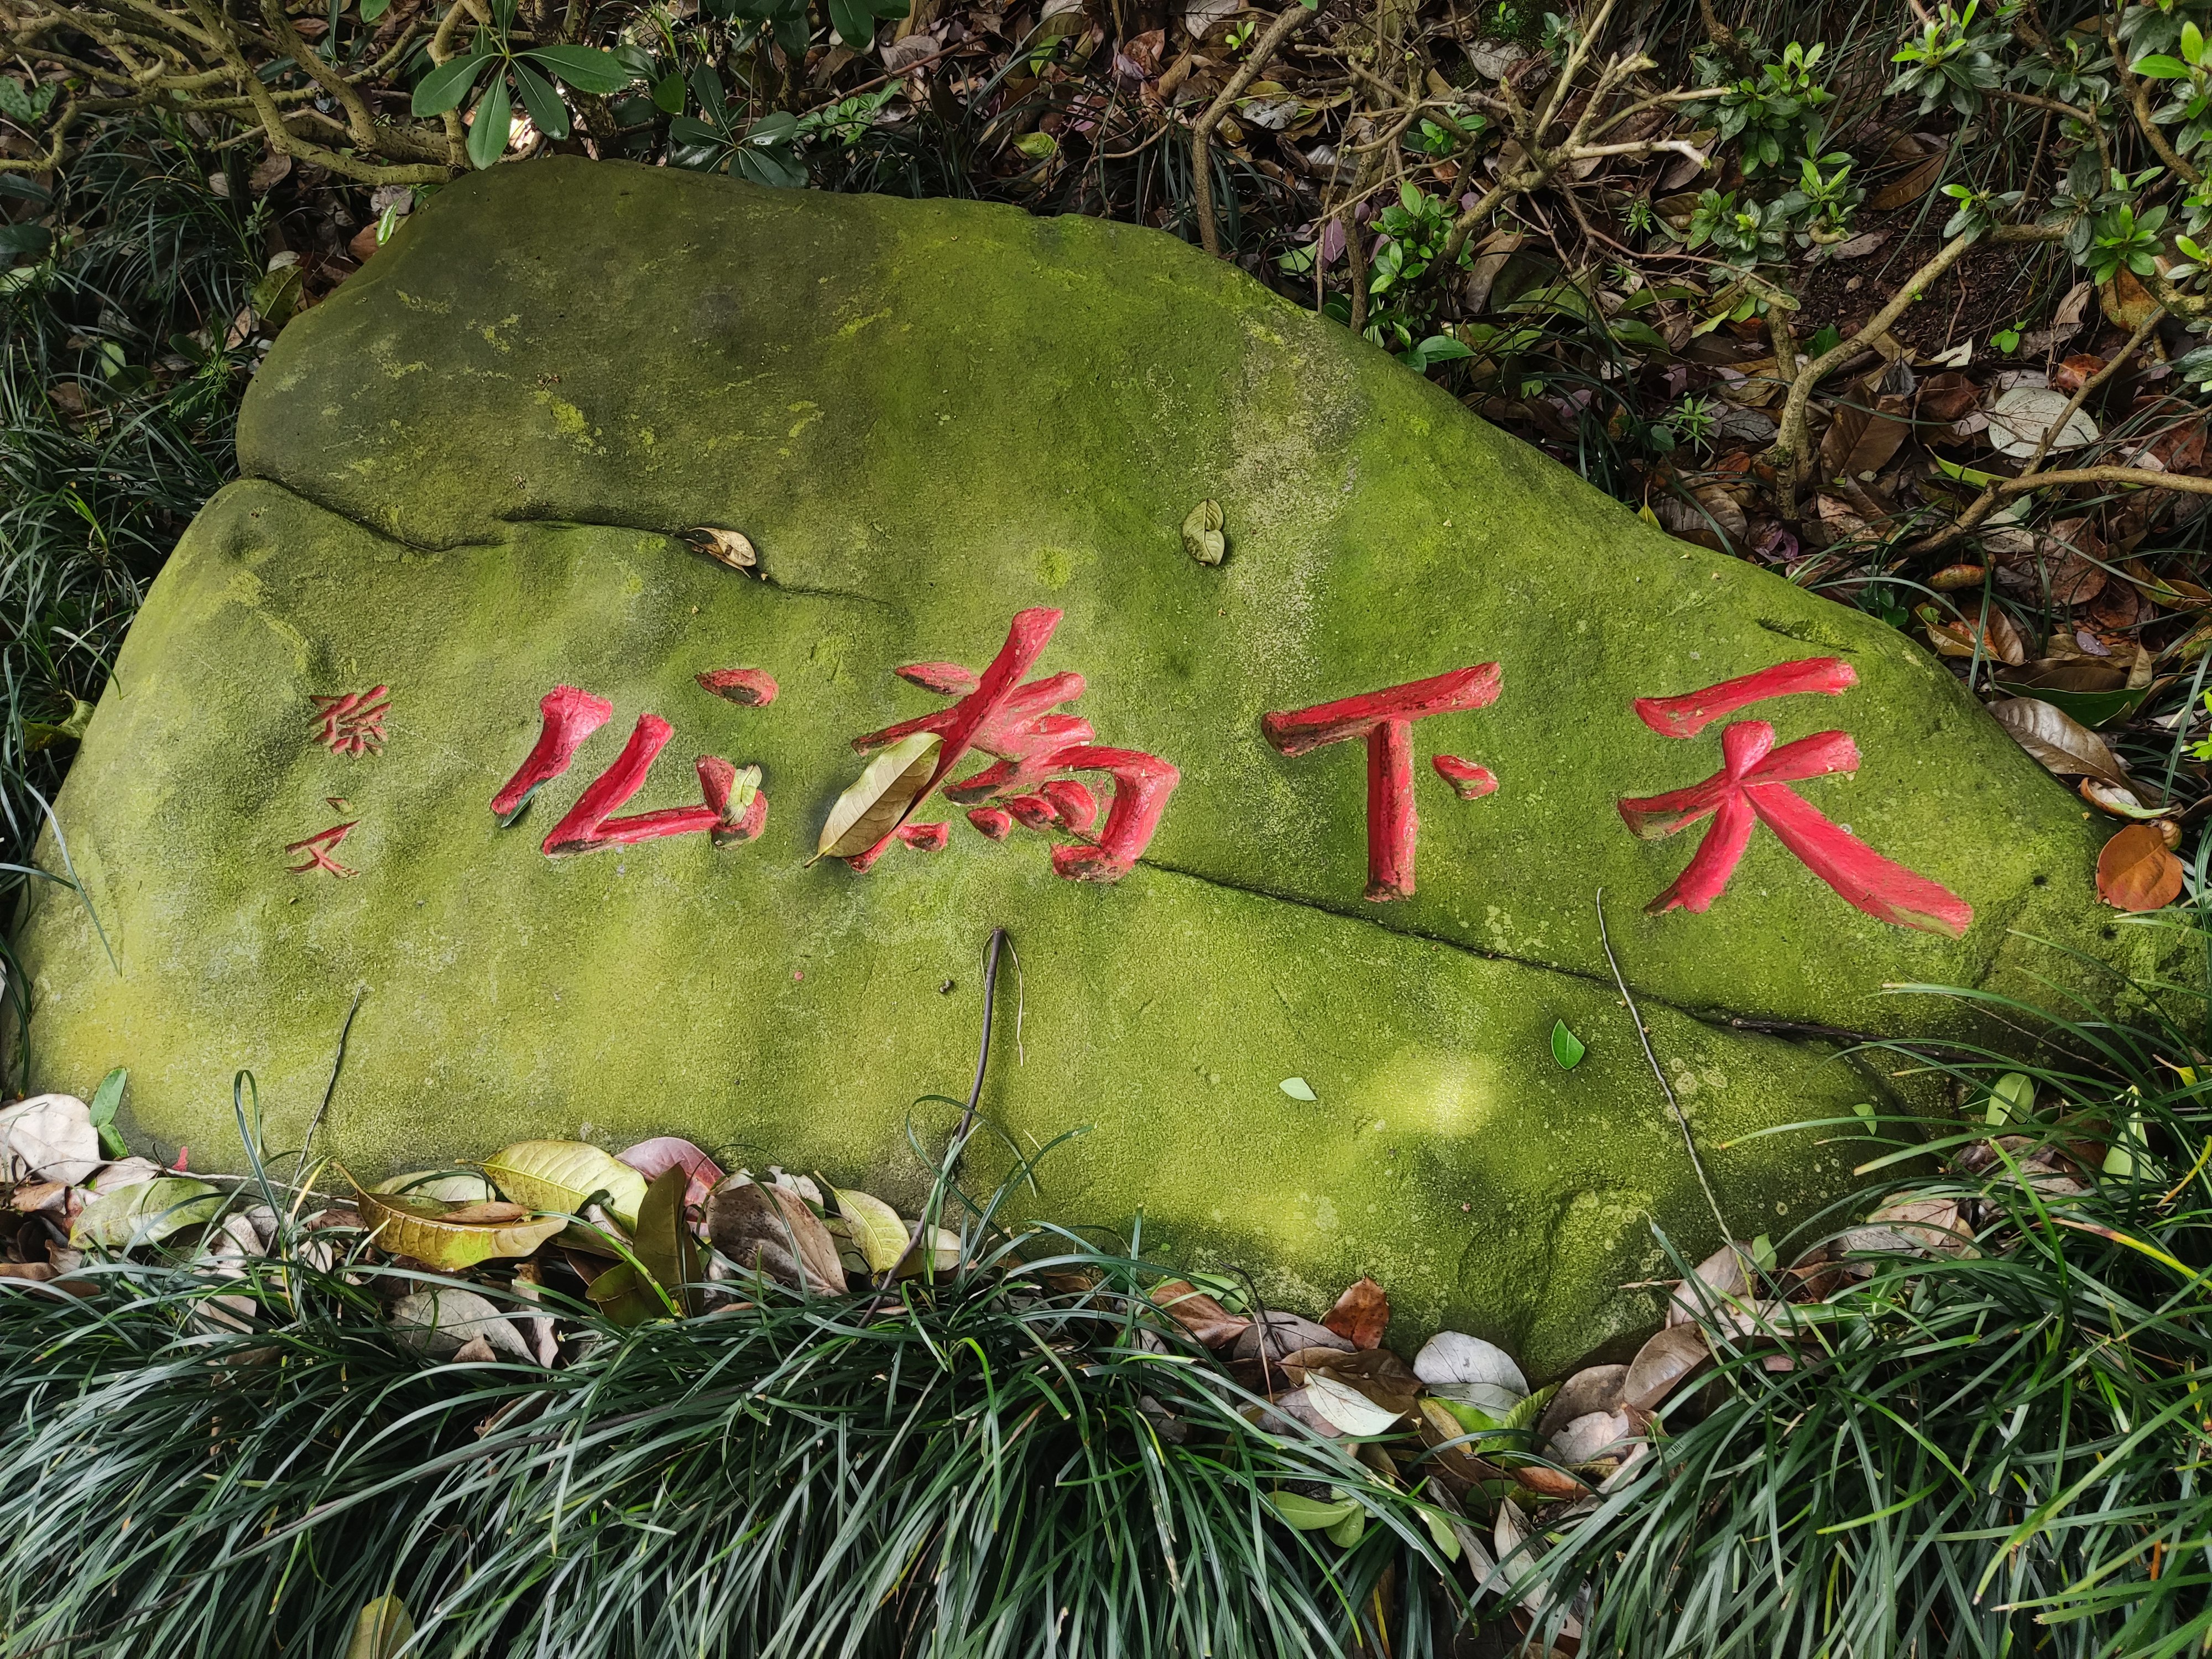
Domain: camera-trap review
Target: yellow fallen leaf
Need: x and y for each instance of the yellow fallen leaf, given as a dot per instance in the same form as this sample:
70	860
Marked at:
877	799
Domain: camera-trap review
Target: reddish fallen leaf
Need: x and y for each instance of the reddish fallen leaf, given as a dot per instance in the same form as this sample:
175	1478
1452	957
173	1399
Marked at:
2137	870
1360	1315
1213	1324
2075	372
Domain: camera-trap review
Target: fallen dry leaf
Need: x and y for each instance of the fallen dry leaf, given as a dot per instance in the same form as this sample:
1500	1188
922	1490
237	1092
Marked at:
727	547
771	1229
2137	870
1360	1315
2064	744
1207	1320
875	802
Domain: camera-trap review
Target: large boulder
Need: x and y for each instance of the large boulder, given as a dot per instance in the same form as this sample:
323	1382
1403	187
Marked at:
469	478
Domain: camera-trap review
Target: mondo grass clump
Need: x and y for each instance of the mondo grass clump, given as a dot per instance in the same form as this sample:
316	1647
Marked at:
1989	1432
1025	1457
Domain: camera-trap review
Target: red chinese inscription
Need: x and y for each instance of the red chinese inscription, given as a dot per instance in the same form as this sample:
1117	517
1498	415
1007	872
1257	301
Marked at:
1385	719
319	848
1752	787
353	723
733	807
1031	749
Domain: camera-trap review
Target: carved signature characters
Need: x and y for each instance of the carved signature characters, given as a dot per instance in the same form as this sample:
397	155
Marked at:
352	723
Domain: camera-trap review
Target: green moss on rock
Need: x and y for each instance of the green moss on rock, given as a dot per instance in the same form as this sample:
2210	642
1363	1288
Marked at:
467	475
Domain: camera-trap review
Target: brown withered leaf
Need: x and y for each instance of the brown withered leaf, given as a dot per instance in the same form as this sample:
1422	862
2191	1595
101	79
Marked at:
1918	179
1361	1314
2076	372
1997	639
2064	745
772	1228
1207	1320
2137	870
1944	397
1954	578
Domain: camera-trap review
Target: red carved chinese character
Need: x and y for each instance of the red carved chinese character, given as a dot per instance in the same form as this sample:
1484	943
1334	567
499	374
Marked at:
1030	748
732	808
352	723
1751	789
1385	719
319	848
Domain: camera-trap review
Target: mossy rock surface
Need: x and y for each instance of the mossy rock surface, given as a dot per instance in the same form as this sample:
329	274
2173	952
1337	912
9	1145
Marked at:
467	476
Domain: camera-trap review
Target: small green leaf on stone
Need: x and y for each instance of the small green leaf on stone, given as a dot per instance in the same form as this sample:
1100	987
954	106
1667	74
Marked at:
1865	1109
1202	537
1566	1047
1298	1089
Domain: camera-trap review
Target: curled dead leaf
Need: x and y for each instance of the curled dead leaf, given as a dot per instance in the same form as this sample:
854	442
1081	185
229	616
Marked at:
1361	1314
727	547
771	1229
1205	1319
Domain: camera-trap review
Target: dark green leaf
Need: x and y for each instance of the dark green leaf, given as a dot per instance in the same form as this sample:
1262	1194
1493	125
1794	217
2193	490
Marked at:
489	133
668	93
584	68
690	130
544	105
443	87
662	1241
855	22
706	87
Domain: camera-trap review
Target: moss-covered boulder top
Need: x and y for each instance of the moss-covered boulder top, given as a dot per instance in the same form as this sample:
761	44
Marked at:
1334	809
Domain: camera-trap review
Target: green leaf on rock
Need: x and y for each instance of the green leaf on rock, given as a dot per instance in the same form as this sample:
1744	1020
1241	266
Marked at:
1202	535
104	1101
1298	1089
1566	1047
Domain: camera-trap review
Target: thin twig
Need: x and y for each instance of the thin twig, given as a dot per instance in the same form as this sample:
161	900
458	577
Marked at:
337	1060
1293	18
1665	1088
967	1119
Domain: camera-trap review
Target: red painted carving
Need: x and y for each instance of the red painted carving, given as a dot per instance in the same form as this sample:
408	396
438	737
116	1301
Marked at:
1030	746
1694	711
1468	780
754	688
587	828
1076	807
1751	789
1385	719
566	717
319	849
947	679
352	723
732	808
